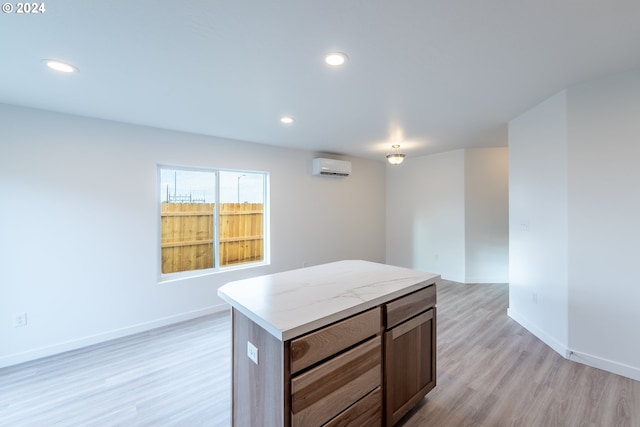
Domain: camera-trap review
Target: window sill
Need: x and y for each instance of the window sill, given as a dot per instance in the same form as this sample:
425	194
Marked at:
186	275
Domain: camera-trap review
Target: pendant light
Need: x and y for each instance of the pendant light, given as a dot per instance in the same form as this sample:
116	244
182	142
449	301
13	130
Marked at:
397	157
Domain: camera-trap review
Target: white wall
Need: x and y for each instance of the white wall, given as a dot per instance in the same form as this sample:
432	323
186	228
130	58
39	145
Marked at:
574	178
440	221
425	214
604	208
79	226
538	221
486	215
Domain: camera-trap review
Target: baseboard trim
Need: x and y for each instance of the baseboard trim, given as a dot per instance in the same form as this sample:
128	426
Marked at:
604	364
486	280
574	355
556	345
38	353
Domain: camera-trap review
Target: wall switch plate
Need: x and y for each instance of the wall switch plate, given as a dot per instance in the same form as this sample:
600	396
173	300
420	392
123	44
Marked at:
252	352
19	320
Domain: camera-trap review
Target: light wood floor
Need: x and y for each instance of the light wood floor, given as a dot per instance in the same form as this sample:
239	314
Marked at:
172	376
491	372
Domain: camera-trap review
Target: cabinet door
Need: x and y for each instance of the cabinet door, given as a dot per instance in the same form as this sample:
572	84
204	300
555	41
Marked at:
410	364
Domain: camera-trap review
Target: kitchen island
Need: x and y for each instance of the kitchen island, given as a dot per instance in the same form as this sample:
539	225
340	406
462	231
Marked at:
345	343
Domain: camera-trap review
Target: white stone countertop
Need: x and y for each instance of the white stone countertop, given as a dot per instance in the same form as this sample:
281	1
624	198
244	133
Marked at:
292	303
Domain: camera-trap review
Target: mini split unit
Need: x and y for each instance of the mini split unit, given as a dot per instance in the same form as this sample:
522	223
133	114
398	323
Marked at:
331	167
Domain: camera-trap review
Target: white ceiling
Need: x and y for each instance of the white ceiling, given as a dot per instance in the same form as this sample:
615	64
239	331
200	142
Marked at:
432	75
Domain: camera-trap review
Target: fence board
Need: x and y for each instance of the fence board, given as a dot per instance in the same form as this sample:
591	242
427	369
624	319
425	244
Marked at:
187	235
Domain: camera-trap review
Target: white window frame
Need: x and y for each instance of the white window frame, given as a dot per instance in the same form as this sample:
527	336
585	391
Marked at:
217	268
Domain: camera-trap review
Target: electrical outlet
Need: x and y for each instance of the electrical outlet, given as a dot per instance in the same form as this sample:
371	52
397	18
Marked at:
534	297
19	320
252	352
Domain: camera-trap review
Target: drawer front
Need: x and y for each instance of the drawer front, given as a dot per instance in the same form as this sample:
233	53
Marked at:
318	345
366	412
403	308
326	390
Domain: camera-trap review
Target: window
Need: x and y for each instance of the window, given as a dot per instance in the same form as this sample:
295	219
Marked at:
211	219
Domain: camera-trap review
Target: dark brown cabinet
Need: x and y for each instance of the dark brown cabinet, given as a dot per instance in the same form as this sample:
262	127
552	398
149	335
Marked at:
367	369
409	352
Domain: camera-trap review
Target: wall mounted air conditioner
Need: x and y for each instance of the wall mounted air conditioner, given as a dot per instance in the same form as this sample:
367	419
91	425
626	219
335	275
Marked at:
331	167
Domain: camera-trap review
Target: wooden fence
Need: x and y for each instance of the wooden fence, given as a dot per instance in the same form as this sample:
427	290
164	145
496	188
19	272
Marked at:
187	235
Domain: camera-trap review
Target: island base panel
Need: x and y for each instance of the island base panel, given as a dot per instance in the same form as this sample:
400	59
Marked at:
258	390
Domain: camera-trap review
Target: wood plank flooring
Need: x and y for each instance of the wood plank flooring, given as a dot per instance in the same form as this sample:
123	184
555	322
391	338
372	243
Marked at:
491	372
173	376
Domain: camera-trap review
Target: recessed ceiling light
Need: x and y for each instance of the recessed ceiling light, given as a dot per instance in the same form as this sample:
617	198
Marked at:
335	59
60	66
286	120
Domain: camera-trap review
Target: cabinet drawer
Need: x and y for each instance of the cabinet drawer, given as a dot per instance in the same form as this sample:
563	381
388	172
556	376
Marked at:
366	412
323	343
325	391
403	308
